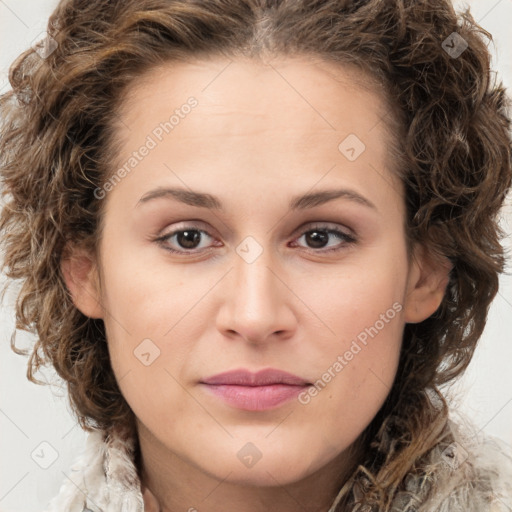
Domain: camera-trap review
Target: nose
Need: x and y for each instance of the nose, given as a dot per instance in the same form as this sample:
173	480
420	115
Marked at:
257	304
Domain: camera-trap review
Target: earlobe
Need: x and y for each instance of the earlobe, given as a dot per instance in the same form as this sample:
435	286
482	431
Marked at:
80	274
426	286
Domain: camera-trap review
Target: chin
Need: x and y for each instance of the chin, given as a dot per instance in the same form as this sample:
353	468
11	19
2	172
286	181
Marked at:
262	474
267	466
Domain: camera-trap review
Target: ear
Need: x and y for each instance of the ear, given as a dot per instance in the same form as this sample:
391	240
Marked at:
426	285
79	269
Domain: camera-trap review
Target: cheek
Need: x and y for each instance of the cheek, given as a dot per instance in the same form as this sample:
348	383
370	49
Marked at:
348	327
356	356
144	299
363	302
152	325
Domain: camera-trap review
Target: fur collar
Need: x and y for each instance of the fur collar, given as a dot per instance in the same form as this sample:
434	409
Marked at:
474	476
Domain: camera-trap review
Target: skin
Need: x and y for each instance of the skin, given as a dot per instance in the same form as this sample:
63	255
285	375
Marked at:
260	135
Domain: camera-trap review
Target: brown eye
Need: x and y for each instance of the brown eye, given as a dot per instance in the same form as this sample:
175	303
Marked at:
184	240
188	239
321	236
319	239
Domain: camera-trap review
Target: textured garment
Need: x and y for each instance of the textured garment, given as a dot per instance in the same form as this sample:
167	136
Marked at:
471	476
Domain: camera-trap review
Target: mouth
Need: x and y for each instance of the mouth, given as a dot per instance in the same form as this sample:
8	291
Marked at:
264	390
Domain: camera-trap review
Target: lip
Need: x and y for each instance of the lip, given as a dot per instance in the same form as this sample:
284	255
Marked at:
242	377
266	389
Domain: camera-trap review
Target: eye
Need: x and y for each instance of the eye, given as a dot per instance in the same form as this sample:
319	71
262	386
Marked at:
320	236
191	239
186	239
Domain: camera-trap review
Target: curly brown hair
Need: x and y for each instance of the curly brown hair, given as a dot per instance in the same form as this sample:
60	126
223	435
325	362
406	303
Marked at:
454	153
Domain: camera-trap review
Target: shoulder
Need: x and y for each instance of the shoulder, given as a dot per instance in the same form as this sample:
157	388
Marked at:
103	479
473	473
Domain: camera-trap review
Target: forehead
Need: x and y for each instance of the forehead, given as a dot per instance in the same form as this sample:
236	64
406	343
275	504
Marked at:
288	119
323	96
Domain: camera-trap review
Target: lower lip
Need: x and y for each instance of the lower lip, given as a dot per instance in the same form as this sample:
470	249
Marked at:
255	398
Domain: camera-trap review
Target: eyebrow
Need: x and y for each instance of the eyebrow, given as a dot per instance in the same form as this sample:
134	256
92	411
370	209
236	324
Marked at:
302	202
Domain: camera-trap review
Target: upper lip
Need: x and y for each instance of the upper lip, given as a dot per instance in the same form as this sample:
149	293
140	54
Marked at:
242	377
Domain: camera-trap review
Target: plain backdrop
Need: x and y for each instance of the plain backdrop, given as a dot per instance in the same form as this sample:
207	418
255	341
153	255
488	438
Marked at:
40	438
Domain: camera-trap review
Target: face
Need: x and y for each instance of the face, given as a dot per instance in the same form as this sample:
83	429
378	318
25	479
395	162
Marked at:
260	228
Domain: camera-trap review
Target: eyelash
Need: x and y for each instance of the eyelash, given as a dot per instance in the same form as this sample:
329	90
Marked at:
346	238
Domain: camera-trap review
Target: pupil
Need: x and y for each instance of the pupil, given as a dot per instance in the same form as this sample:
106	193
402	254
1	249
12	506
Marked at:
317	237
187	239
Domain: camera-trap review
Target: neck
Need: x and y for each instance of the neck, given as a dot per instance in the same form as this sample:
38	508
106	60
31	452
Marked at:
171	484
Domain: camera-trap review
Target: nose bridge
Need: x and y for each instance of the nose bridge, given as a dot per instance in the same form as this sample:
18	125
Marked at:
256	301
256	285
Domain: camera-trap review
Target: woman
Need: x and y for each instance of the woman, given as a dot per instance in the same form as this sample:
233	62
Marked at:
229	356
